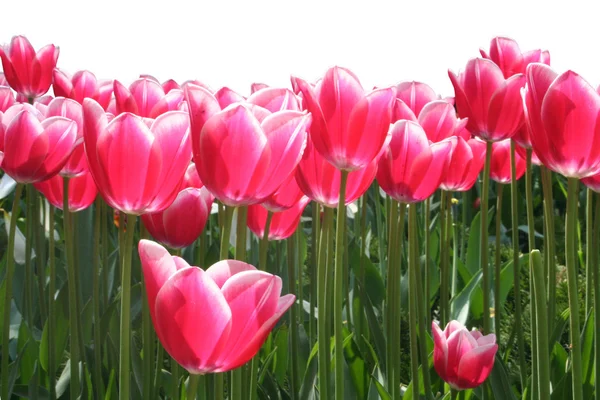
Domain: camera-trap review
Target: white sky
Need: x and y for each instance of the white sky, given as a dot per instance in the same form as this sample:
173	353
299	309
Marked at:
235	43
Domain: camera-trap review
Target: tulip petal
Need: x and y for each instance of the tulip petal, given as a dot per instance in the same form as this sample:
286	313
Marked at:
475	366
221	271
415	95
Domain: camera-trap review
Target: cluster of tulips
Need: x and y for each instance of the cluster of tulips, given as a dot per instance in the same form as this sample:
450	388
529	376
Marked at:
185	157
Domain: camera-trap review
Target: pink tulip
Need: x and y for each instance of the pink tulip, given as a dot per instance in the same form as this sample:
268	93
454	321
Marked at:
500	170
145	97
461	358
562	113
82	191
505	52
415	95
3	81
191	178
320	181
180	224
275	99
83	84
466	162
7	99
491	103
592	182
283	223
411	168
138	165
438	120
255	87
27	72
286	197
71	109
214	320
226	97
169	85
350	127
244	153
35	148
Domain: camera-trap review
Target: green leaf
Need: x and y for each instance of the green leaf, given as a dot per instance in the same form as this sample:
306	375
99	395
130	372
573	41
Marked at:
473	247
373	281
281	355
61	335
587	354
356	366
558	362
383	394
29	348
500	383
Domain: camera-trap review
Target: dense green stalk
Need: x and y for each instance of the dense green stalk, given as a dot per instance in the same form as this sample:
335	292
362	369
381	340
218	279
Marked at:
589	284
264	243
237	387
571	261
393	267
535	259
192	388
323	284
428	254
413	305
550	259
51	305
97	373
40	251
444	301
338	289
312	269
497	263
295	374
175	378
596	269
483	243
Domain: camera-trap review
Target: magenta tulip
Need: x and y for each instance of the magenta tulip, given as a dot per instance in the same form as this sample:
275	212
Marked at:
350	127
138	168
283	223
227	97
562	113
500	169
466	162
491	103
145	97
505	52
82	191
461	358
411	168
214	320
415	95
7	99
83	84
275	99
287	196
438	120
27	72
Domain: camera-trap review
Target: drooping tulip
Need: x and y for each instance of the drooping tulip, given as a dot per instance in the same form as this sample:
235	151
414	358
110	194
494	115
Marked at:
35	148
244	153
214	320
138	168
81	85
506	53
180	224
562	113
350	127
283	223
27	72
320	181
411	169
500	164
145	97
491	103
82	191
461	358
466	162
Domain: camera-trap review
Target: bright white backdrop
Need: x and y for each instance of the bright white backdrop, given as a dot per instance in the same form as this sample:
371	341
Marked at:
235	43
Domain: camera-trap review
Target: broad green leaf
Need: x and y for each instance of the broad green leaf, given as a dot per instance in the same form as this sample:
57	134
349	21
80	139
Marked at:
61	335
587	355
280	366
499	382
356	366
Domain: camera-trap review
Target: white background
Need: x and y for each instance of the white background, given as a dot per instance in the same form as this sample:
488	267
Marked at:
235	43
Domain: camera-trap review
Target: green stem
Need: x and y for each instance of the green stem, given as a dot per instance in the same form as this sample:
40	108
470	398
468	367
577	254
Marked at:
175	377
571	261
29	276
529	199
40	251
428	254
550	260
589	207
537	267
158	368
98	383
192	388
237	387
291	259
483	243
517	268
444	317
72	287
398	243
324	354
456	251
51	306
314	238
413	302
392	277
338	289
535	362
497	261
421	314
264	243
596	272
125	334
10	270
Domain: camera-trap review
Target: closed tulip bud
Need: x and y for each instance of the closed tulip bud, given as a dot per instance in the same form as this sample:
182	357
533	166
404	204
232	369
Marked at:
466	162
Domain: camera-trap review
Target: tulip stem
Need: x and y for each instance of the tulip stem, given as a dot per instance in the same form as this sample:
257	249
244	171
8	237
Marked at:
51	305
596	271
192	389
237	387
98	383
324	354
517	268
571	261
291	259
537	267
392	278
444	301
589	208
314	238
483	243
549	236
428	254
175	375
264	243
125	342
497	260
10	270
413	302
339	289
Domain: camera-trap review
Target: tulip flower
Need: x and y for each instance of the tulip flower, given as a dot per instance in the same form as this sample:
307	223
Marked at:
461	358
3	81
411	169
138	168
82	191
27	72
81	85
244	153
350	127
256	86
226	97
438	120
7	99
35	148
145	97
191	178
180	224
275	99
415	95
466	162
320	181
562	113
500	166
592	182
283	223
214	320
505	52
491	103
287	196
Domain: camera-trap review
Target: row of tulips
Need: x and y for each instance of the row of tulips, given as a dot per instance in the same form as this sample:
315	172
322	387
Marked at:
166	152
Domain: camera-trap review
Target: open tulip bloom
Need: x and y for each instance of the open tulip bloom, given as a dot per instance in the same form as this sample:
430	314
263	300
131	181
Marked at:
214	320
